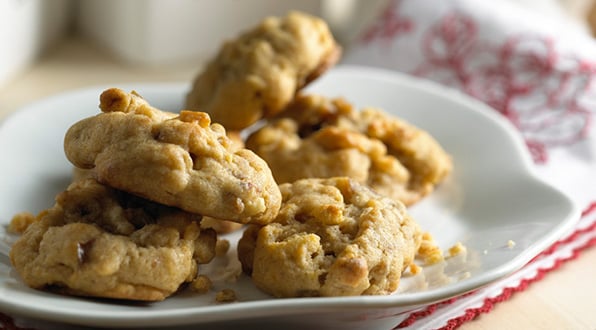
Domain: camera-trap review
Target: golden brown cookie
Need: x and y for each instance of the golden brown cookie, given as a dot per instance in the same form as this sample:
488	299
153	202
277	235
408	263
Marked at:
332	237
320	137
178	160
257	74
101	242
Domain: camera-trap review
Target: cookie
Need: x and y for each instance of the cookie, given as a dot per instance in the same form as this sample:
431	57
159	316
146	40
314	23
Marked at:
257	74
180	160
332	237
101	242
320	137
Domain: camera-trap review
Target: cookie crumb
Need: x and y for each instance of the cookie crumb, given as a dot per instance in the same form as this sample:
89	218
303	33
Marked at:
221	247
201	284
510	244
457	249
20	222
415	269
225	296
429	251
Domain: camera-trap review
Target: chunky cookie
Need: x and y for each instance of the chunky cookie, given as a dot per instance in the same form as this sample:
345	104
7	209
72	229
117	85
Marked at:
179	160
98	241
320	137
257	74
332	237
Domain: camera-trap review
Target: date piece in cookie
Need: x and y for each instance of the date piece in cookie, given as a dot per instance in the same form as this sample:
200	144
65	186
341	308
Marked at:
178	160
257	74
320	137
332	237
101	242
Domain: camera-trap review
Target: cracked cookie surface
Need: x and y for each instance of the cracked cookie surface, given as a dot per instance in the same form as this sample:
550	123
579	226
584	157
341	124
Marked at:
257	74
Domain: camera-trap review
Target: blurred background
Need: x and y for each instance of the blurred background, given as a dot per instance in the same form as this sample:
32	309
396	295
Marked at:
52	45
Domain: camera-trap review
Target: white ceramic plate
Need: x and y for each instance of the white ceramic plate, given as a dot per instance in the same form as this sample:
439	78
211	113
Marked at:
492	198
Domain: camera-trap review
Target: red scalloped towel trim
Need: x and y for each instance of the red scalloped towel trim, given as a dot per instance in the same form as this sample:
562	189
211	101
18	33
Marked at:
489	303
429	310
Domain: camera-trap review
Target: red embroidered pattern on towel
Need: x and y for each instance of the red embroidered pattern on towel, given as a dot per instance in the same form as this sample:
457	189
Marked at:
389	25
540	89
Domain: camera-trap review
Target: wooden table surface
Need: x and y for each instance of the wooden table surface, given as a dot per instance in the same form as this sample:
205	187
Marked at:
564	299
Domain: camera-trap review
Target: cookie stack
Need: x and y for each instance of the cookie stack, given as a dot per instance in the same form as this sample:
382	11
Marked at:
320	190
132	230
